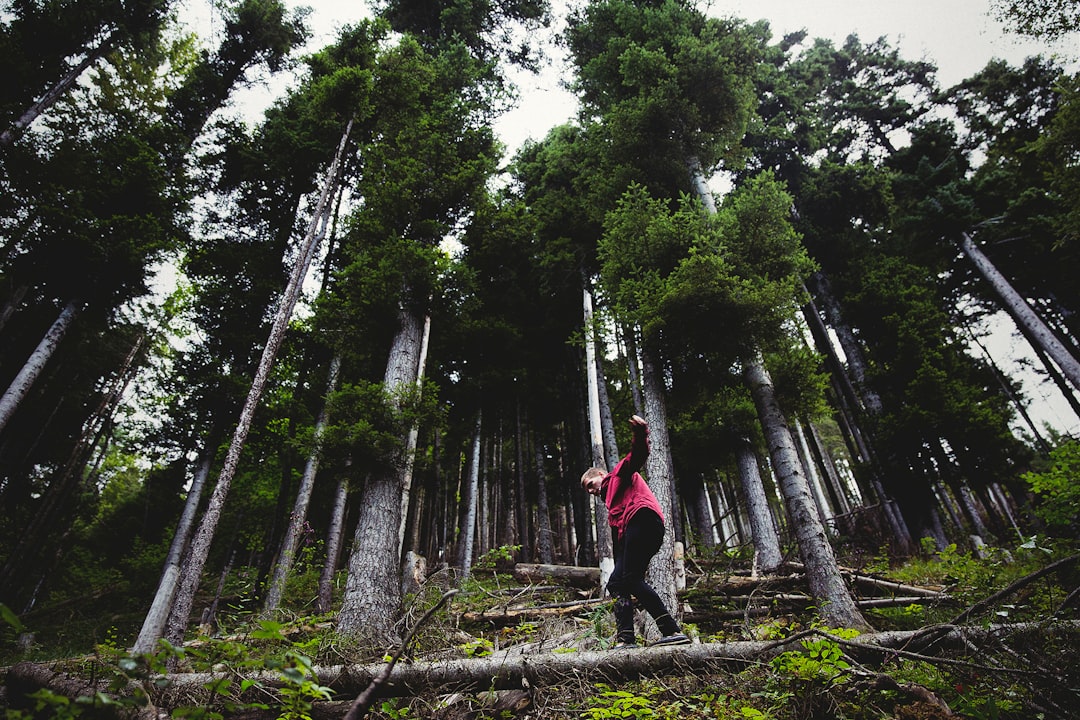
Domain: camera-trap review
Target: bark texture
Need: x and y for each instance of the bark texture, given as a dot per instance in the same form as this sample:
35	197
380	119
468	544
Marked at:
823	574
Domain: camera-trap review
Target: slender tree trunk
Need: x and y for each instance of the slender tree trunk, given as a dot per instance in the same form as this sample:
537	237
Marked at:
414	433
154	623
31	370
373	589
54	93
813	479
200	547
823	574
334	536
853	352
522	506
544	545
1021	312
468	530
298	518
762	528
604	550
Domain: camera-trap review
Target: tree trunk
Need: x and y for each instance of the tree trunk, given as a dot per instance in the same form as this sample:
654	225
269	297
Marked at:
298	518
32	368
414	432
605	553
154	624
813	479
468	530
661	573
200	546
1021	312
826	584
54	93
762	528
853	352
373	589
334	536
544	544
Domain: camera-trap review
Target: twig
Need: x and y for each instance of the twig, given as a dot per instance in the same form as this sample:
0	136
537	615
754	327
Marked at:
363	701
1022	582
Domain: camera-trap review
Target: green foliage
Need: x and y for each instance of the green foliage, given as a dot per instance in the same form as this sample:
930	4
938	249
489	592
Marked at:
1057	488
821	660
618	704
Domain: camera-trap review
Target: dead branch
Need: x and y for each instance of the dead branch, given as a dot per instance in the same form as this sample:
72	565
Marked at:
1022	582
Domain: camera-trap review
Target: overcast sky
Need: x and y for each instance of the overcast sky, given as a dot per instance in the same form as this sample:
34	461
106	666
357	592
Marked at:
959	36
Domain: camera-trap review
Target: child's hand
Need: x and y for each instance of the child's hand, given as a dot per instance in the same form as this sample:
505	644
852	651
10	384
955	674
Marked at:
637	421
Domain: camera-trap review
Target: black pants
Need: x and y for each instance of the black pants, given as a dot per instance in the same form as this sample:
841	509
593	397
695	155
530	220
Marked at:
633	551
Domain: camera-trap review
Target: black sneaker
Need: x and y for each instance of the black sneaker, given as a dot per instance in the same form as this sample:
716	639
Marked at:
676	639
624	644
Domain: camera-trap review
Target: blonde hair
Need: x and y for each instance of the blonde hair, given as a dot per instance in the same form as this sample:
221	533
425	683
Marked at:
591	473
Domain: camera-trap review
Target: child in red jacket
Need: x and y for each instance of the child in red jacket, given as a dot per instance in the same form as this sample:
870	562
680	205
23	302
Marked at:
637	530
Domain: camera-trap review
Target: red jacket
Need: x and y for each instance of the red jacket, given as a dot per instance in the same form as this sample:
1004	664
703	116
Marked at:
624	490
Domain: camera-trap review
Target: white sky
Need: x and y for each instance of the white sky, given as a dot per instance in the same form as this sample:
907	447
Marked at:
959	36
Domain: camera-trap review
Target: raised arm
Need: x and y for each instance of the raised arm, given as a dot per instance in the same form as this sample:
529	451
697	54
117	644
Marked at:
639	448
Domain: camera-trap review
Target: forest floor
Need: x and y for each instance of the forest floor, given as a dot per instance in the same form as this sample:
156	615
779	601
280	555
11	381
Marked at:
956	636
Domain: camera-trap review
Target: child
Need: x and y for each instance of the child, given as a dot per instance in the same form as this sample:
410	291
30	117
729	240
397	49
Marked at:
637	530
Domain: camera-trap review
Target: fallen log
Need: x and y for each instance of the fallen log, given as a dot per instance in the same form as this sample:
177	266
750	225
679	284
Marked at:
573	575
514	615
508	669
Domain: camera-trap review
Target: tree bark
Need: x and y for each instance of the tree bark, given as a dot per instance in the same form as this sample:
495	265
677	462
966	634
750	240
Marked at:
826	584
762	528
544	544
373	589
605	552
33	366
414	432
471	500
333	544
662	571
1021	312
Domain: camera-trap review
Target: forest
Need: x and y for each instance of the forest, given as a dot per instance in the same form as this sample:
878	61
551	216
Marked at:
333	469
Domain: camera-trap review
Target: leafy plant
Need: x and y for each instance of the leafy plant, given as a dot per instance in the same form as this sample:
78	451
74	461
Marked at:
619	704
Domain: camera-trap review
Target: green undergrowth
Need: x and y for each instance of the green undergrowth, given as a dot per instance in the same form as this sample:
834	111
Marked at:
272	667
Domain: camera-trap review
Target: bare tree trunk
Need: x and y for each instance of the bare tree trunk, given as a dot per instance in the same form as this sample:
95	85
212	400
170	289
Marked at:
373	589
604	551
468	531
762	528
813	479
522	506
333	545
53	94
32	368
154	624
298	518
823	574
200	546
1021	312
414	432
544	545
